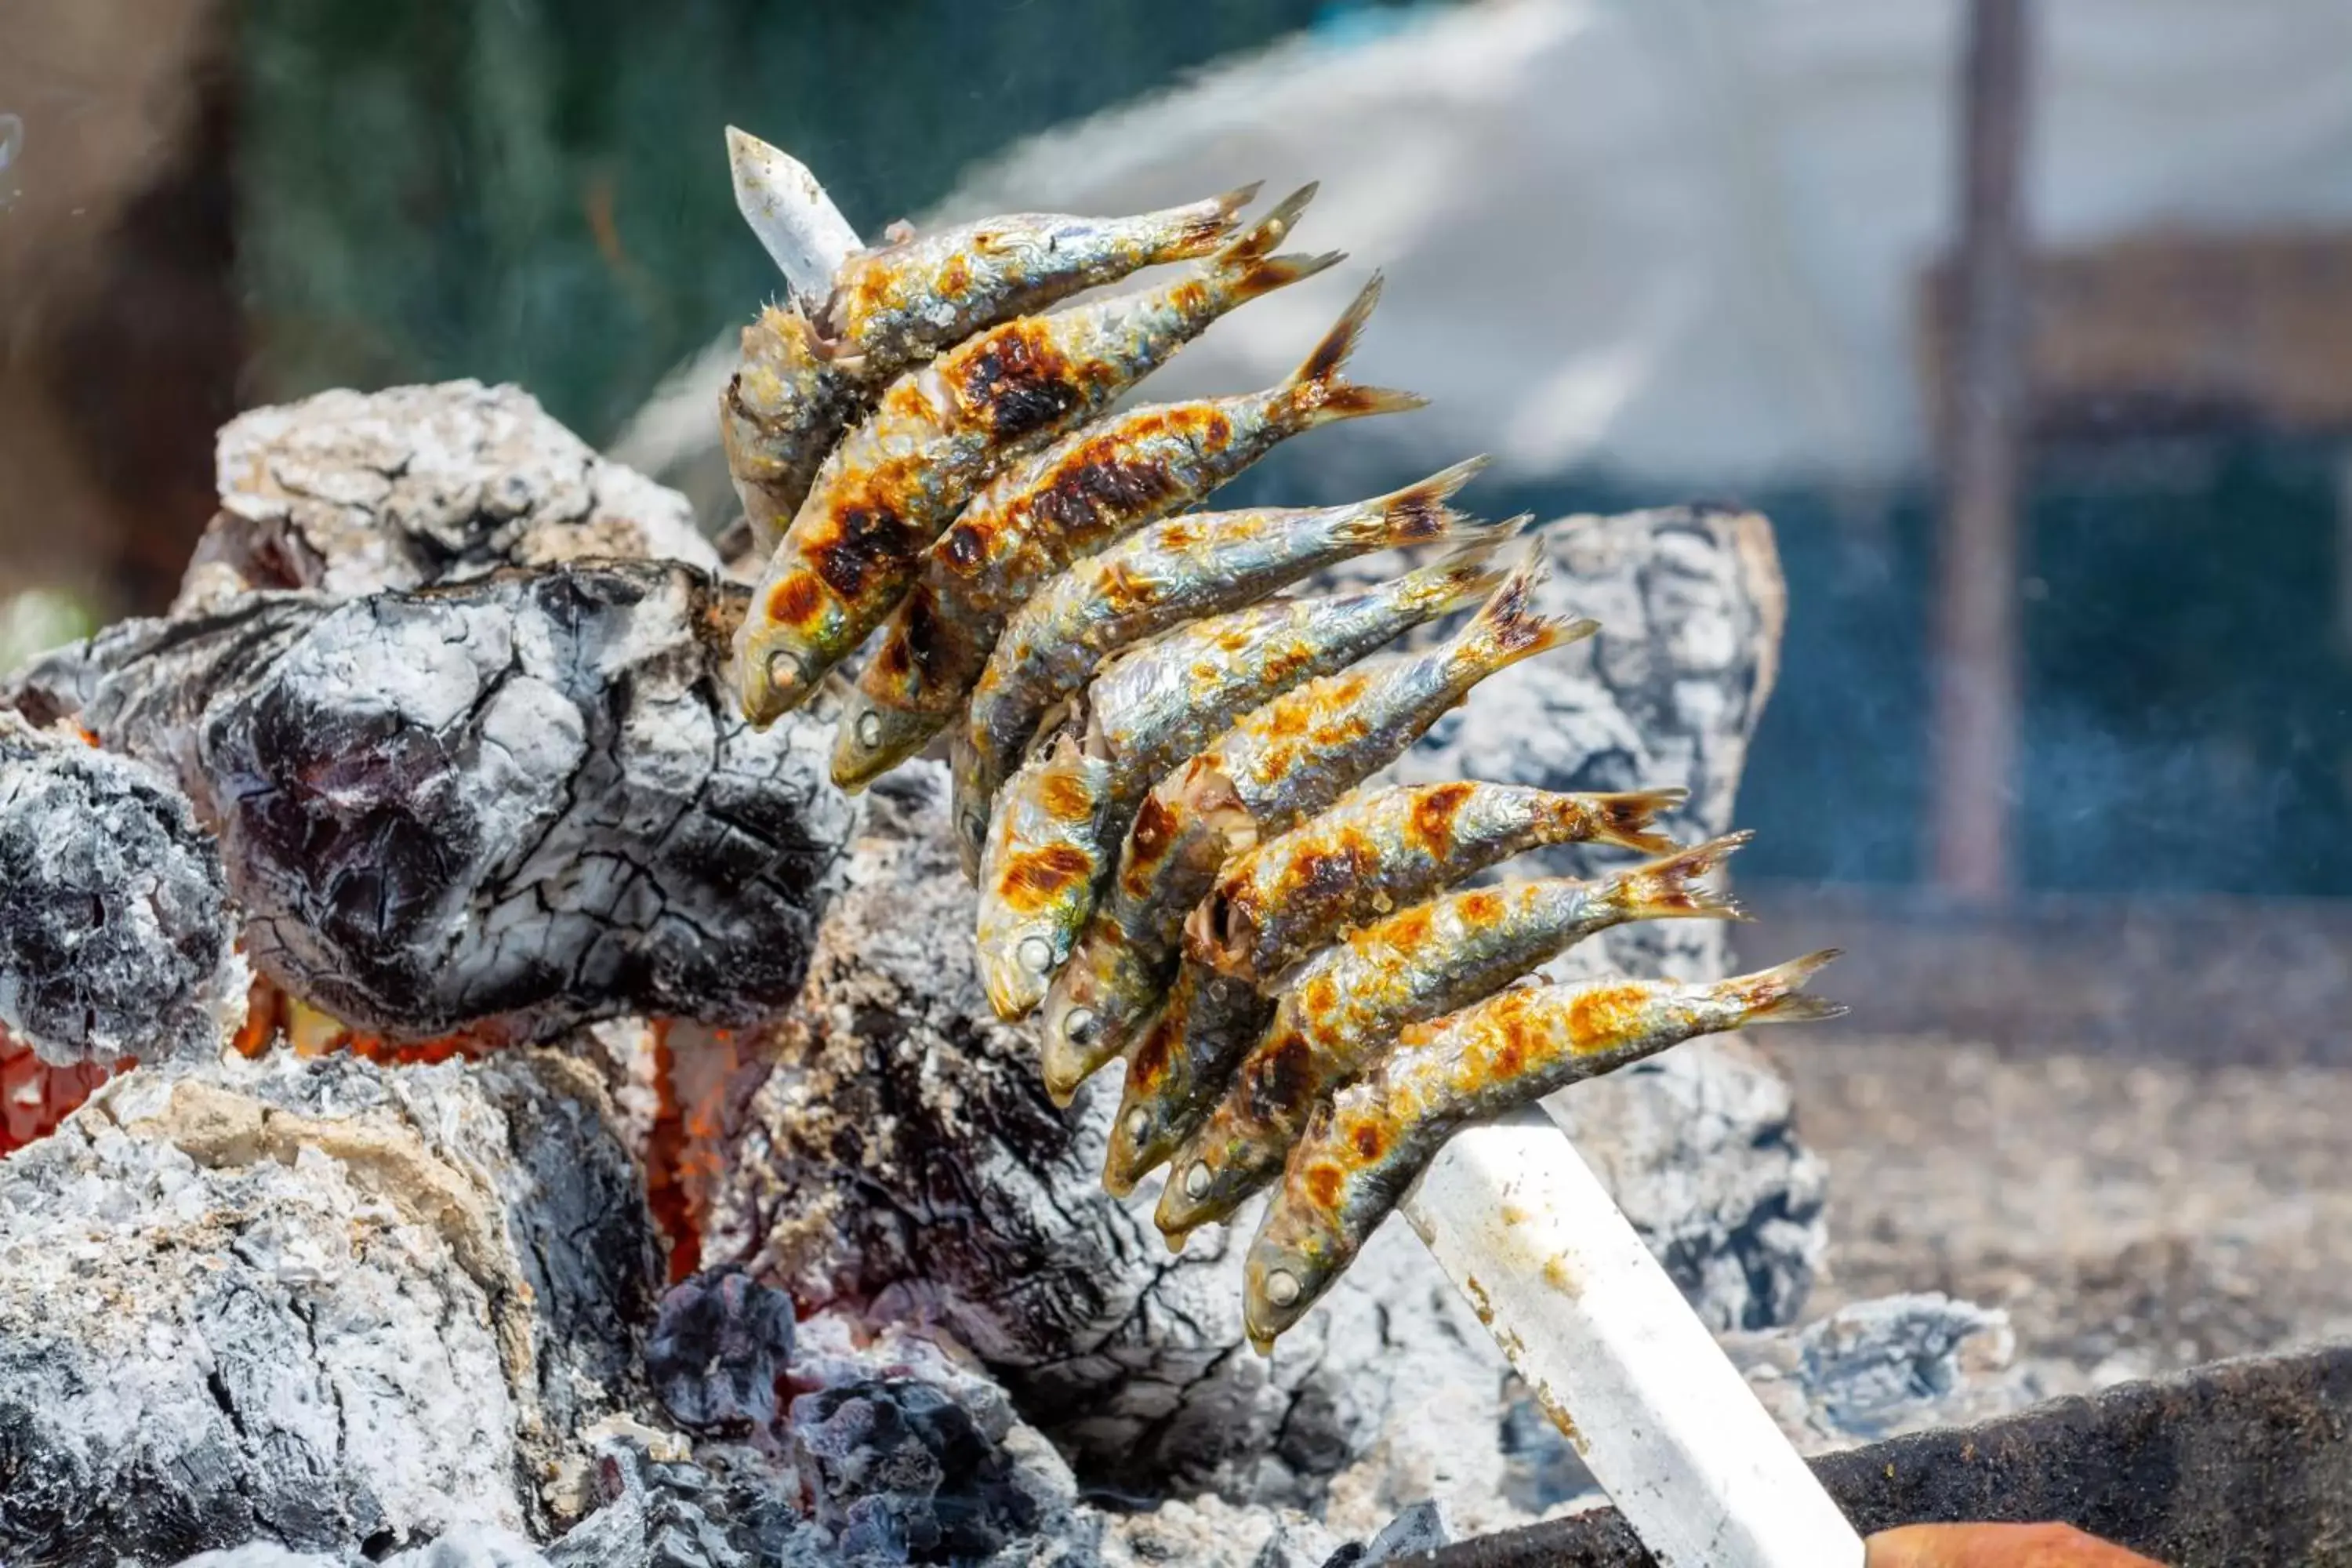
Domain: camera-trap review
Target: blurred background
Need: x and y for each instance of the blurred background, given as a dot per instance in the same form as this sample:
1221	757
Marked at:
2028	321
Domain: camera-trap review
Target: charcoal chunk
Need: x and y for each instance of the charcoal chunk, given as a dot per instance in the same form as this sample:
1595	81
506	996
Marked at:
716	1349
115	928
900	1470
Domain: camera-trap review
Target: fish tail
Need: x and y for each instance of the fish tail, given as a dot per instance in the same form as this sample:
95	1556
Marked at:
1663	890
1774	996
1508	628
1319	395
1416	514
1462	577
1264	275
1256	242
1627	820
1211	221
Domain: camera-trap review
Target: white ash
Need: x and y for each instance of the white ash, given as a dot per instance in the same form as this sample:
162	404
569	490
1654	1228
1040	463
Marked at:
352	492
315	1301
524	801
116	936
1880	1368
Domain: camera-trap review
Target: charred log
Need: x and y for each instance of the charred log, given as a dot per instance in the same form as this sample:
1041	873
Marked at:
352	493
316	1302
116	937
513	805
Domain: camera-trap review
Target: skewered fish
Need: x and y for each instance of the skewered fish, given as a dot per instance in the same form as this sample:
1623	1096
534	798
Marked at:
1154	758
1364	1146
1165	575
1079	494
940	433
1345	1006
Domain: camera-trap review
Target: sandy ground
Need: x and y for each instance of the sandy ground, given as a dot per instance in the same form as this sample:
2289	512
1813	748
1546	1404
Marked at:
2133	1215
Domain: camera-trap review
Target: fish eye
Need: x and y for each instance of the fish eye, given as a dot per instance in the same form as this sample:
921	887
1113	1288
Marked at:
1281	1286
870	731
785	670
975	826
1079	1025
1138	1122
1196	1181
1037	955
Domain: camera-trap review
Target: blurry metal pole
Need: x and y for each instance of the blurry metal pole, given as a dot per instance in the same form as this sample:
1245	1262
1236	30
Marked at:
1976	657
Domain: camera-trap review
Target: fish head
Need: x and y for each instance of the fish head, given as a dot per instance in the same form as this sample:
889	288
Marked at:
1153	1117
793	633
1096	1004
775	673
873	739
1209	1177
1288	1269
1038	875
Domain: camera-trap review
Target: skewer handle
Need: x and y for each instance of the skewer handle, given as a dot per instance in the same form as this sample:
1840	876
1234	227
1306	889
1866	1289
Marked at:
1619	1359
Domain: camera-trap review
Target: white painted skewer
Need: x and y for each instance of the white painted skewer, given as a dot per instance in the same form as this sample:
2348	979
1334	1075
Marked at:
1611	1351
802	231
1522	1227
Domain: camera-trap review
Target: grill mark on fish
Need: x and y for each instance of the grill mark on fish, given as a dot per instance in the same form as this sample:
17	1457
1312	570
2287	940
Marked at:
1035	878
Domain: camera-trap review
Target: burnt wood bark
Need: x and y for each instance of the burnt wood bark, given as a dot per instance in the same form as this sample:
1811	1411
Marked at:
517	804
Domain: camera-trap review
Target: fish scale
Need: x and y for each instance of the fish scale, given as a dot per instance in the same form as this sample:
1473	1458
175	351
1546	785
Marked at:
1173	772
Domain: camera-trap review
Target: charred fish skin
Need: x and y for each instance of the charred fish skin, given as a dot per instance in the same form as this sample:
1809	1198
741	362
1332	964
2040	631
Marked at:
1165	574
1366	1146
1371	855
1164	701
1176	1069
896	305
1281	764
1042	859
1349	1003
1040	515
1150	708
940	433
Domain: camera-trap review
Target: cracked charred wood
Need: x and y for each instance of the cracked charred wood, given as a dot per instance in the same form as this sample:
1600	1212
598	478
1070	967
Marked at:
353	493
508	806
116	936
317	1303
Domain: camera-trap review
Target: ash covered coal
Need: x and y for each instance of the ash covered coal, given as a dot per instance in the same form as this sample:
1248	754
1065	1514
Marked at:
317	1303
718	1347
352	493
115	936
518	803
